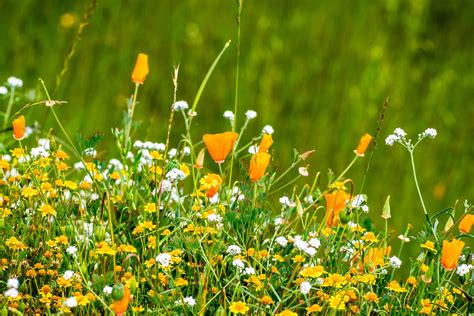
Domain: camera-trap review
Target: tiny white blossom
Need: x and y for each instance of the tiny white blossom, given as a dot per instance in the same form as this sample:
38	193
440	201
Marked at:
250	114
310	251
463	269
71	250
400	132
403	238
249	271
279	221
107	290
159	146
186	151
229	115
13	293
175	174
365	209
13	283
303	171
91	152
15	82
164	259
314	242
391	139
138	144
68	274
286	202
305	287
3	90
282	241
395	262
71	302
180	106
238	263
300	243
267	129
431	132
172	152
233	250
253	149
190	301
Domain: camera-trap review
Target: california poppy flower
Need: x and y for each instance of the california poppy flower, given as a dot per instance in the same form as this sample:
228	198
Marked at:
141	69
450	253
19	128
258	165
220	145
120	306
335	202
265	143
466	223
375	256
363	144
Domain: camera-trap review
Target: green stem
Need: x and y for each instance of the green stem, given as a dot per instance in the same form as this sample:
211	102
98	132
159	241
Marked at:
9	107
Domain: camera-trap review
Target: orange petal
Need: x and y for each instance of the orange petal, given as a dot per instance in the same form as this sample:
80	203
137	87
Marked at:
265	143
19	126
141	69
363	144
258	165
220	145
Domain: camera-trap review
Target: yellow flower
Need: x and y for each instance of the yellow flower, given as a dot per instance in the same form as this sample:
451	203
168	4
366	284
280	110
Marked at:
287	312
127	248
28	192
17	152
371	297
315	308
104	248
148	225
370	237
395	286
181	282
46	210
137	309
313	272
15	244
266	300
336	302
150	208
239	308
298	258
411	280
429	245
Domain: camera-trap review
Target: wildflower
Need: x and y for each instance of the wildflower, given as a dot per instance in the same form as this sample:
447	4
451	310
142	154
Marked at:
233	250
164	259
287	312
371	297
220	145
258	165
466	223
400	132
450	253
107	290
150	208
267	129
395	262
13	283
211	183
71	302
463	269
229	115
403	238
305	287
429	132
430	246
411	280
3	90
375	256
15	82
363	144
391	139
265	143
19	125
239	308
13	293
312	272
314	242
120	306
335	202
337	303
395	286
190	301
200	159
141	69
180	106
249	271
315	308
250	114
282	241
175	174
238	263
370	237
46	210
68	274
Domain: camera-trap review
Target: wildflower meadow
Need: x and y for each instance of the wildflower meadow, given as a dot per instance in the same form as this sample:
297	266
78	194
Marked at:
208	225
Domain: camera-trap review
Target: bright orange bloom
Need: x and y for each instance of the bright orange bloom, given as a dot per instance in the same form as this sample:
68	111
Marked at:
363	144
141	69
258	165
220	145
265	143
19	128
466	223
450	253
375	256
120	306
335	202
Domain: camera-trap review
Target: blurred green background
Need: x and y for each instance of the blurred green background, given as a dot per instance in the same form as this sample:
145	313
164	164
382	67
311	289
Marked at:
317	71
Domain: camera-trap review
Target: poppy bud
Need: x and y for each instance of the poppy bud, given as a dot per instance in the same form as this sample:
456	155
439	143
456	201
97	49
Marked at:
19	128
466	223
363	144
265	143
200	159
450	253
258	165
141	69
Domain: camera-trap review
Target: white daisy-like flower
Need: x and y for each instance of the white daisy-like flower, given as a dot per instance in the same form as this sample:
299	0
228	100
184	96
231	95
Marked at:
282	241
13	283
249	271
190	301
71	302
164	259
180	106
72	250
107	290
233	250
3	90
250	114
300	243
15	82
229	115
68	274
310	251
314	242
395	262
305	287
267	129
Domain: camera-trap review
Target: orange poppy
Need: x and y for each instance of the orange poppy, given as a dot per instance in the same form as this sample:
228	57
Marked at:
120	306
450	253
141	69
363	144
220	145
19	125
335	202
265	143
258	165
466	223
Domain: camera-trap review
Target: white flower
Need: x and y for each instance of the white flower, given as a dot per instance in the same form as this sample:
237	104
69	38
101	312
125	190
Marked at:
180	106
314	242
303	171
189	300
39	152
249	271
400	132
186	151
278	221
138	144
253	149
395	262
15	82
68	274
175	174
71	250
164	259
159	146
229	115
365	209
71	302
44	142
319	281
305	287
391	139
310	251
282	241
11	293
286	202
358	201
308	199
300	243
91	152
463	269
172	152
403	238
3	90
13	283
267	129
233	250
250	114
238	263
107	290
431	132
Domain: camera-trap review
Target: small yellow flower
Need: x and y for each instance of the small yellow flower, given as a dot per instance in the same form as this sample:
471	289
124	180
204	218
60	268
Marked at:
239	308
370	237
287	312
395	286
150	208
266	300
46	210
313	309
313	272
29	192
371	297
411	280
430	246
298	258
181	282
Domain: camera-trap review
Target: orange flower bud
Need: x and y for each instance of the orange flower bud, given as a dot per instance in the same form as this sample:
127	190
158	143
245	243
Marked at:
120	306
450	253
220	145
141	69
200	159
258	165
265	143
466	223
363	144
335	202
19	128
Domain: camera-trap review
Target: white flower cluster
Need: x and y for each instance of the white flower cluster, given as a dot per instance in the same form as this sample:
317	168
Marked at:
70	302
399	136
164	259
429	132
250	115
360	202
309	247
12	285
229	115
286	202
138	144
233	250
68	274
305	287
188	300
15	82
395	262
180	106
267	129
463	269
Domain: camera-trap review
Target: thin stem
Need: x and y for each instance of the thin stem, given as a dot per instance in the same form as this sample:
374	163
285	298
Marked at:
9	107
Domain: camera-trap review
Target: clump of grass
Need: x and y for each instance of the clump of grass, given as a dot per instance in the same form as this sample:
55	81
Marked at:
191	229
